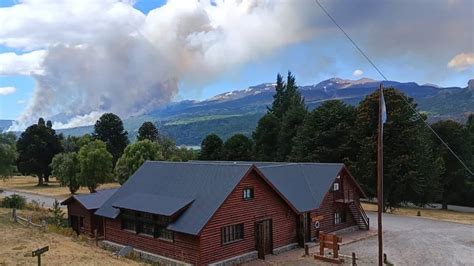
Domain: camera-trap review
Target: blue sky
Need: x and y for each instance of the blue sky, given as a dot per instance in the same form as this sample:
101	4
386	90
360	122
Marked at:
402	51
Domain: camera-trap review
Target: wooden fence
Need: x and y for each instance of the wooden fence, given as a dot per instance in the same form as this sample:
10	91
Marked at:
27	221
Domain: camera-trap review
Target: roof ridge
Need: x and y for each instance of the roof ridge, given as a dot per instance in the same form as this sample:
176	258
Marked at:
201	162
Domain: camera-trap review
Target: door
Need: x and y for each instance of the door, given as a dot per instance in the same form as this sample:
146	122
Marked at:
264	238
304	228
74	220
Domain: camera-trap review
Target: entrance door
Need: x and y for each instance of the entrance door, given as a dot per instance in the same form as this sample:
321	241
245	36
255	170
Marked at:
264	238
74	220
304	228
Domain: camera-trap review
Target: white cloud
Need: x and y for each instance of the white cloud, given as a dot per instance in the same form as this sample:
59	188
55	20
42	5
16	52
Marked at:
21	101
461	61
7	90
23	64
357	73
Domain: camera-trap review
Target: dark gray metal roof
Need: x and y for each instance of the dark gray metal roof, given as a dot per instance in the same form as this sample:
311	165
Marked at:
303	184
162	205
94	200
207	184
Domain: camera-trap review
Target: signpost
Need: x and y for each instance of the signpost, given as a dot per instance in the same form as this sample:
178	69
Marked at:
38	253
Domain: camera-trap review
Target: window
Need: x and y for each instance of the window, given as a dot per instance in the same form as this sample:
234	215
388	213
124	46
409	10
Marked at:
339	217
147	224
248	193
335	186
232	233
164	233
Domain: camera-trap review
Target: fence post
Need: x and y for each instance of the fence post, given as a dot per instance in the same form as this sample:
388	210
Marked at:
44	225
14	215
354	263
29	221
306	250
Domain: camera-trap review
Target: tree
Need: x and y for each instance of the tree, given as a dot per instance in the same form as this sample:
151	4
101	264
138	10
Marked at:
453	177
109	129
211	148
411	173
134	156
36	147
275	132
277	107
8	154
326	134
265	138
70	144
67	169
292	121
238	148
95	163
148	131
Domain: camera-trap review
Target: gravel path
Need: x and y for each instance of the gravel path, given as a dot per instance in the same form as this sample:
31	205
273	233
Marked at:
48	201
418	241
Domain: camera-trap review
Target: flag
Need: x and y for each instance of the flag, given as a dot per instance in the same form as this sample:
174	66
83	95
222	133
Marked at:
384	108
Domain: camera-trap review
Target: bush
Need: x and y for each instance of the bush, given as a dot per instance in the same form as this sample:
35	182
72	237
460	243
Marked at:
14	201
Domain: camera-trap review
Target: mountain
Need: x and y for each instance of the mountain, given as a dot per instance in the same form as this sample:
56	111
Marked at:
238	111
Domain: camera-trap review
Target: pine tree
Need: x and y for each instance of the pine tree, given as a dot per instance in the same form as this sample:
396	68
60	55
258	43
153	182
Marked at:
109	129
148	131
265	138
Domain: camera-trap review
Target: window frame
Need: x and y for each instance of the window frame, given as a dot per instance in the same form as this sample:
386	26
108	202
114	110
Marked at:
339	217
248	193
334	185
232	233
155	224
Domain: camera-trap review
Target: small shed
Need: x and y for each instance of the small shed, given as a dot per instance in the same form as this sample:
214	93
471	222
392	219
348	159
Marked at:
81	210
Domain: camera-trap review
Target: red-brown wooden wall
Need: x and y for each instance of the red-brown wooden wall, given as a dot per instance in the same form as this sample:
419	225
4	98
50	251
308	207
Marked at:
267	204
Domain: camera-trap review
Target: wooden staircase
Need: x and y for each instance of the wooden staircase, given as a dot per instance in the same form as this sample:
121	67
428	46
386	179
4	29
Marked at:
359	215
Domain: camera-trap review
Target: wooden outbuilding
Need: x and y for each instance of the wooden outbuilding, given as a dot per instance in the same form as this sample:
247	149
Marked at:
81	208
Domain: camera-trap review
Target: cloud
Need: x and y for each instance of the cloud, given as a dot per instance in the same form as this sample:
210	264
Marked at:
461	61
21	101
357	73
23	64
7	90
128	63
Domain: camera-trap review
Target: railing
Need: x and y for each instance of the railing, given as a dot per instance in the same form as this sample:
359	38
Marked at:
27	221
362	213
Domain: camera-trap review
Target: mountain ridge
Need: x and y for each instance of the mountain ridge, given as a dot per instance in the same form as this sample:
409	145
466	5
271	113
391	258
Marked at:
238	111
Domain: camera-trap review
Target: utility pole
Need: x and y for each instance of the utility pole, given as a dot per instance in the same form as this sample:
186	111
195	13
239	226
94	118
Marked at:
380	174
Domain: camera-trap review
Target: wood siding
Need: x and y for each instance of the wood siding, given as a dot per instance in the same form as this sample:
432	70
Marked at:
267	204
184	247
76	209
329	206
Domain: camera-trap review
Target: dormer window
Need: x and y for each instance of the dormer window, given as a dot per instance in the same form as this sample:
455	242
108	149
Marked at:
248	193
335	186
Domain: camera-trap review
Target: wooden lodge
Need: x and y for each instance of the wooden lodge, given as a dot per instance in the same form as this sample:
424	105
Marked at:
225	212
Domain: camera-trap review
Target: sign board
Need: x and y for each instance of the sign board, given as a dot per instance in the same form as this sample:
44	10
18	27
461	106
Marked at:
39	251
317	218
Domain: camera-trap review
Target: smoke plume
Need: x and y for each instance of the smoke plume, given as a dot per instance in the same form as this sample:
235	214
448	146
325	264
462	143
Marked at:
109	57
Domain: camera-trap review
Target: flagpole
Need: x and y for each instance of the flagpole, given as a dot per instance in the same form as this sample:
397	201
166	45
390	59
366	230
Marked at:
380	177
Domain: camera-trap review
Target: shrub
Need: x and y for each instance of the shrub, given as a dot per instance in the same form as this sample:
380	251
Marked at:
58	215
14	201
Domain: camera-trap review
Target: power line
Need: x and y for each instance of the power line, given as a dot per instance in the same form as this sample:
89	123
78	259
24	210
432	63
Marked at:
385	78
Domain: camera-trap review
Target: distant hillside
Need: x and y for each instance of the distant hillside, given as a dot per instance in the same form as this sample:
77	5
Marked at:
238	111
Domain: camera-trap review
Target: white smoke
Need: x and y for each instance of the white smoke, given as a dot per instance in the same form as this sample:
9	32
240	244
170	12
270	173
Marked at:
105	56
